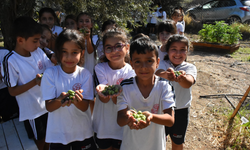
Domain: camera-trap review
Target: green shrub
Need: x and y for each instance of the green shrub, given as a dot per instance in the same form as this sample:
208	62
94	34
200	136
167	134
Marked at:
220	32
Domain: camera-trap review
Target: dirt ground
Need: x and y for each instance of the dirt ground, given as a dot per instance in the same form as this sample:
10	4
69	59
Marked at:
217	74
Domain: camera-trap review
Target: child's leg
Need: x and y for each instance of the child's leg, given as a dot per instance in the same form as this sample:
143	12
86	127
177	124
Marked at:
39	126
178	131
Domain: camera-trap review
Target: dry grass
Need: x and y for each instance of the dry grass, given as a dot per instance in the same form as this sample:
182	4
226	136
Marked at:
192	26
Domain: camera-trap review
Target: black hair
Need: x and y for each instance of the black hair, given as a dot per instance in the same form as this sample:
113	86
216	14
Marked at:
69	35
168	26
49	10
26	27
143	45
118	33
139	35
107	23
176	38
46	27
71	16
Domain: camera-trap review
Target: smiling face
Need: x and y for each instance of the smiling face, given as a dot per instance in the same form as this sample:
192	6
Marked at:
145	65
71	55
45	37
48	19
115	56
84	21
177	53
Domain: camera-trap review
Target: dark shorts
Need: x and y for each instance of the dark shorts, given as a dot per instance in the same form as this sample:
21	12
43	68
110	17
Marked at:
106	143
36	128
178	131
87	144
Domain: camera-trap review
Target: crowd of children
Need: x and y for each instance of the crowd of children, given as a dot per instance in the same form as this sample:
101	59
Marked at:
49	62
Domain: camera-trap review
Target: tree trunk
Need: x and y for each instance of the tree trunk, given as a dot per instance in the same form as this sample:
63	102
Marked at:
10	10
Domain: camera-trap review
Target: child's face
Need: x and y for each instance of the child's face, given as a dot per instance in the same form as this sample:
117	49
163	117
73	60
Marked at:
164	36
118	49
176	17
31	44
71	55
145	65
48	19
177	53
70	24
44	40
84	21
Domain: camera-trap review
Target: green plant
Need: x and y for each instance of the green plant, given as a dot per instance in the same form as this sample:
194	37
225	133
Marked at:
220	32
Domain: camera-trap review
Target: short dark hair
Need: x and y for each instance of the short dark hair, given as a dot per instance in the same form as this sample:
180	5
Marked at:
49	10
168	26
26	27
46	27
69	35
106	23
71	16
143	45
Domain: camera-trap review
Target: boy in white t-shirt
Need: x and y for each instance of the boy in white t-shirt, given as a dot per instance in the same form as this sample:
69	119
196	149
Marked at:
21	71
146	92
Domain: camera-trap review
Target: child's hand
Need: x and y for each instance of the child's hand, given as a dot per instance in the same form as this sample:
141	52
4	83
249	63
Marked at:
131	120
181	77
170	74
99	90
38	79
78	96
61	97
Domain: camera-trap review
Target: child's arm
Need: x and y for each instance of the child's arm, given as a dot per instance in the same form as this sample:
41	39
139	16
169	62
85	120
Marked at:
79	102
168	74
185	80
90	48
17	90
166	119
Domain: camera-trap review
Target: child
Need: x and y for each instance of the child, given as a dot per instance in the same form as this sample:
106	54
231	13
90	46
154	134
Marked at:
8	104
153	22
21	71
181	19
165	29
176	16
69	127
111	72
109	24
70	22
177	48
48	16
148	93
84	21
44	41
163	15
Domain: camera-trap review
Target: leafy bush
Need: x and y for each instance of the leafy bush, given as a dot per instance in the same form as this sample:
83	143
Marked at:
221	33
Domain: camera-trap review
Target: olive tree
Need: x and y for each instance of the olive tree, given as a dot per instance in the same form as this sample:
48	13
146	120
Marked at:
121	11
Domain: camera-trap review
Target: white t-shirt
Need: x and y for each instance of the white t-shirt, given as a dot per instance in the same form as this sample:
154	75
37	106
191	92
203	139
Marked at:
3	52
183	95
164	14
179	28
161	54
89	59
154	18
99	48
67	124
105	114
161	97
57	29
19	70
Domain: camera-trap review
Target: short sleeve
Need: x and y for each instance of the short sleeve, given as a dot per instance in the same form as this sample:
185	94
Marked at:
168	97
179	27
191	70
121	102
48	88
46	60
10	74
100	74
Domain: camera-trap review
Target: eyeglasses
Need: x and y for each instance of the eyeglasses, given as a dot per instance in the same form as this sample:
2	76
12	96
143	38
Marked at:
117	47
